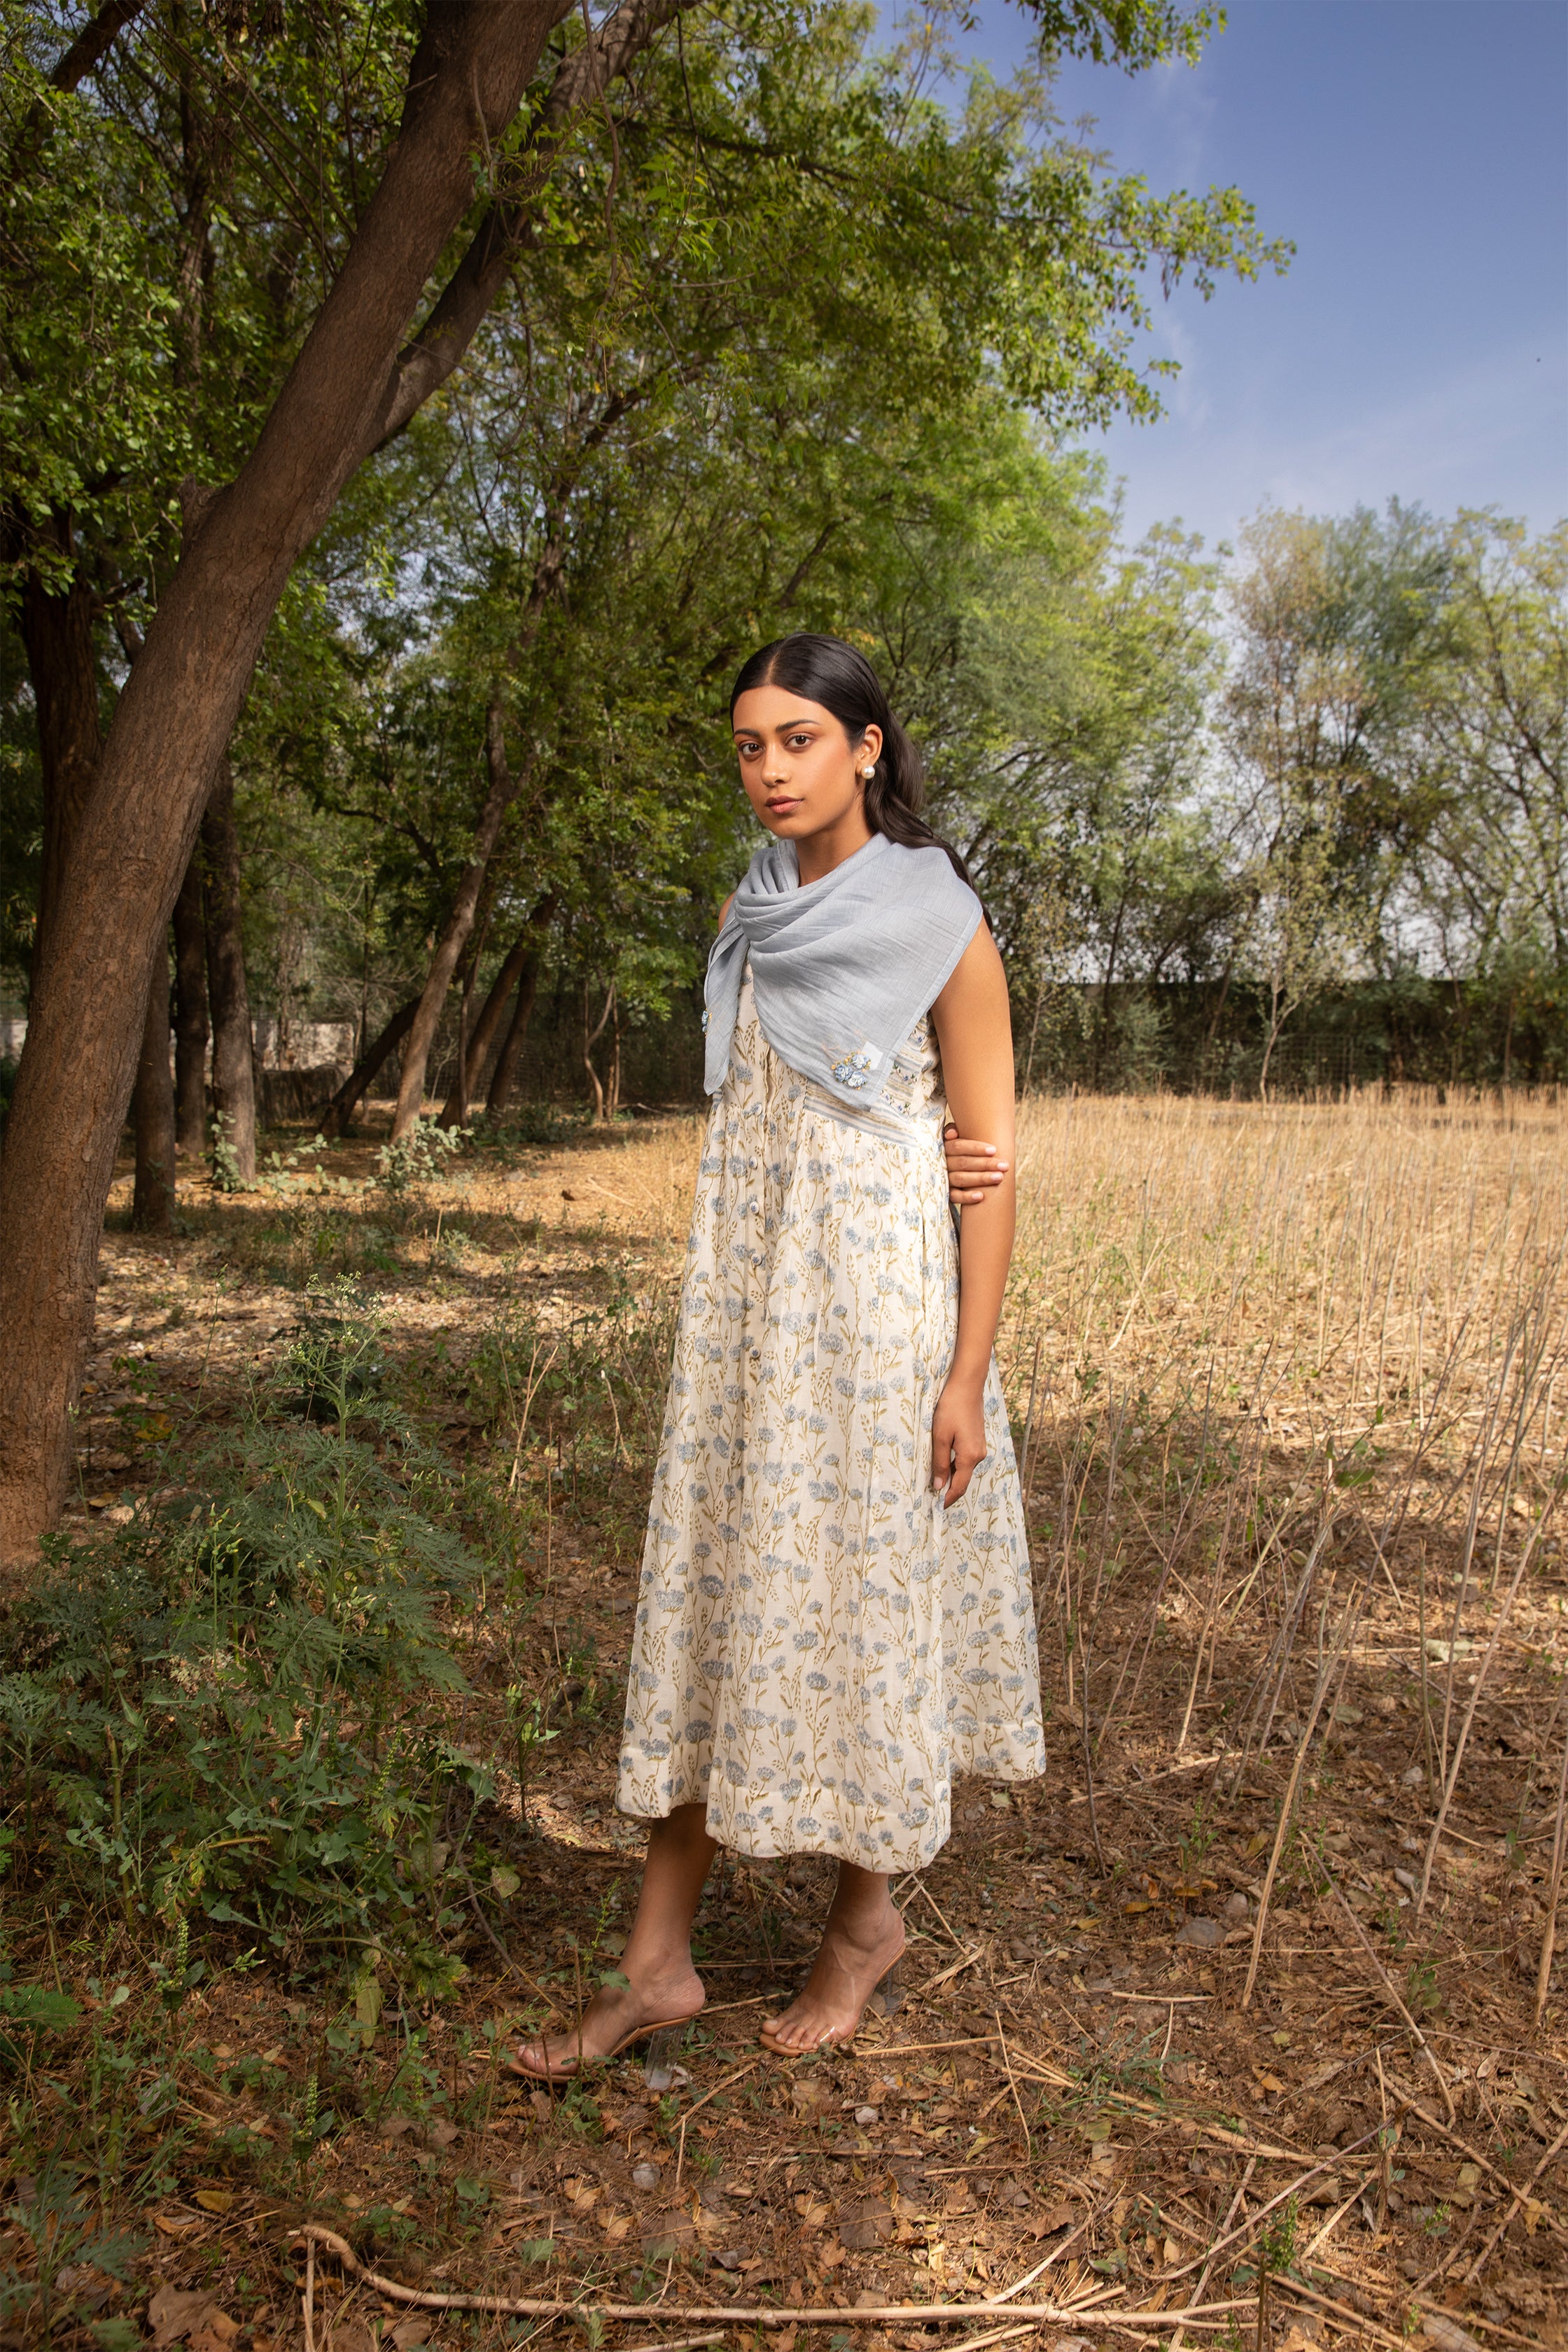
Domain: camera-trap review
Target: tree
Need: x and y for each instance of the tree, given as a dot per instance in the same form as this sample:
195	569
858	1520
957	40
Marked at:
352	384
1335	622
1494	748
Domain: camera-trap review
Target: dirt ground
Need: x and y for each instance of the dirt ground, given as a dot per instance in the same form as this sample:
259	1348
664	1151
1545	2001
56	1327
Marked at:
1102	2077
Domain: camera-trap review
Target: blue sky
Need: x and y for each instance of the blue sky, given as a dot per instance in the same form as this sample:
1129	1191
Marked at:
1417	150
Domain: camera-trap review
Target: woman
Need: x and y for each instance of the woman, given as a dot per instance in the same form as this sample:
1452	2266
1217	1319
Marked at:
835	1613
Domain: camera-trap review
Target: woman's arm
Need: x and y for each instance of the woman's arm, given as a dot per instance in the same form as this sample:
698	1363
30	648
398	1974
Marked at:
975	1033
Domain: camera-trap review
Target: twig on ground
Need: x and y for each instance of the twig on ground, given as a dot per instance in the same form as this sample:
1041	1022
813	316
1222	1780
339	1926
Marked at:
1554	1889
677	2344
1338	2215
1288	1802
1208	2258
307	2300
1292	2189
748	2068
917	2315
1342	2310
1451	1781
1012	2085
1387	1982
1519	2197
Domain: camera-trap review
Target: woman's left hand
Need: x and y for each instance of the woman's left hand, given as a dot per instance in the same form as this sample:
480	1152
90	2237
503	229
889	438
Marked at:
957	1437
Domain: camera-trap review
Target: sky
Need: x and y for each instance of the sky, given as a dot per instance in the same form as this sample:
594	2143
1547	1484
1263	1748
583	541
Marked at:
1416	151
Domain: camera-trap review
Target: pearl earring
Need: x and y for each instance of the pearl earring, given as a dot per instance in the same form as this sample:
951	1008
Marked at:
869	773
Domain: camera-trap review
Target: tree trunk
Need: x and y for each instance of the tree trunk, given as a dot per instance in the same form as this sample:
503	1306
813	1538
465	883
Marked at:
338	1117
234	1062
466	79
482	1034
498	798
191	1030
62	668
590	1039
152	1203
503	1077
459	1116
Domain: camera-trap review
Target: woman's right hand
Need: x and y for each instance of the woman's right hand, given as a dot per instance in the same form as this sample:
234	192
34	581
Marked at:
973	1169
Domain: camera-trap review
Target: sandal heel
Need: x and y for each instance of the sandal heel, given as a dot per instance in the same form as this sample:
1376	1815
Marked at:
664	2049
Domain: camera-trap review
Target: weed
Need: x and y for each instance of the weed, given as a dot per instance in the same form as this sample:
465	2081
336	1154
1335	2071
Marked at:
228	1717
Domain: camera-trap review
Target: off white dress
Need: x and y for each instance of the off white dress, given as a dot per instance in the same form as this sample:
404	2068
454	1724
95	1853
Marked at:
820	1648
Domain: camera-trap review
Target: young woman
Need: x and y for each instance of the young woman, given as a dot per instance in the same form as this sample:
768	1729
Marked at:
836	1616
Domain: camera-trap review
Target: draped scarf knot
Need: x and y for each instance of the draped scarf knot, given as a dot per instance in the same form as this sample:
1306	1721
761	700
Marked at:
842	968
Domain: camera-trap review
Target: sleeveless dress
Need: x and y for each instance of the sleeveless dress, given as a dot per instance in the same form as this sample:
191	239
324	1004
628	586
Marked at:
819	1646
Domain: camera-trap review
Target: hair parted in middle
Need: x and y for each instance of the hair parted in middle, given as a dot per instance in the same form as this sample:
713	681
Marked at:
837	675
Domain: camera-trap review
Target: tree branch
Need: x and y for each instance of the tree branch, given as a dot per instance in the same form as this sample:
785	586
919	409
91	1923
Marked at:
582	78
93	43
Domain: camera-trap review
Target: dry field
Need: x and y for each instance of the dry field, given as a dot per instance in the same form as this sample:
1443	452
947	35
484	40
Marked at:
1248	2011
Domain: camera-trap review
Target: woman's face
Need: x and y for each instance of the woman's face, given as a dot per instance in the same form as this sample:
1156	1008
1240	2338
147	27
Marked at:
800	772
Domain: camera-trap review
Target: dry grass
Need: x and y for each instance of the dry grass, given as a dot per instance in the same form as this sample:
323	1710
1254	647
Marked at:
1263	1952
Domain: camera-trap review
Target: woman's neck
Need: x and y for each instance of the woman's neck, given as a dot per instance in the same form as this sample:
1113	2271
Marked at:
818	853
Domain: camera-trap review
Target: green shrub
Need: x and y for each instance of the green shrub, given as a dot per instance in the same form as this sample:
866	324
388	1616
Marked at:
230	1716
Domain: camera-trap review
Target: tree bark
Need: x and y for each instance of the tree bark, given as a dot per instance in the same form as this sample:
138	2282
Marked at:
191	1029
502	791
152	1203
338	1116
234	1060
590	1039
482	1036
176	713
62	668
504	1075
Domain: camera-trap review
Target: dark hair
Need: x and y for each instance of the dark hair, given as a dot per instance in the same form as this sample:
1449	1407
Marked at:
827	670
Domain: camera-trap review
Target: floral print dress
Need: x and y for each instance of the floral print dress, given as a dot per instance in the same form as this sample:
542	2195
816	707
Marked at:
820	1647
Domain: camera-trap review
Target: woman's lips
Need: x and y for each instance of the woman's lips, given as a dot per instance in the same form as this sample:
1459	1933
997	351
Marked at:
781	806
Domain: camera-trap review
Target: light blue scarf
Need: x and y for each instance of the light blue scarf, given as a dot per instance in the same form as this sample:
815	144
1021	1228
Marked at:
843	968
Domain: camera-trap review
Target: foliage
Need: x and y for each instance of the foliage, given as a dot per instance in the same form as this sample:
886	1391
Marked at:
235	1718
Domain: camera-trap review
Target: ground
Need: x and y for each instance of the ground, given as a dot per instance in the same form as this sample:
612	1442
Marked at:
1287	1384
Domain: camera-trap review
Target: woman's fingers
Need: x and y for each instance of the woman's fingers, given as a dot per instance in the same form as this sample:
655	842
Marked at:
954	1458
973	1168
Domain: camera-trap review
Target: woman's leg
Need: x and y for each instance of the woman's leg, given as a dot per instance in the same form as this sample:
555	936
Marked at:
657	1963
862	1939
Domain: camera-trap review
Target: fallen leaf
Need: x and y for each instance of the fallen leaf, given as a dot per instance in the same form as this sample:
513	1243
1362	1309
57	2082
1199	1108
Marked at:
441	2135
1446	2334
1269	2081
172	2313
615	2225
868	2225
666	2235
174	2225
216	2333
1205	1934
215	2200
410	2332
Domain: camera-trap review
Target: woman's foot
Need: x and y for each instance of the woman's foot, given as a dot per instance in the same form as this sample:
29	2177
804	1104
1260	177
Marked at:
617	2015
863	1940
